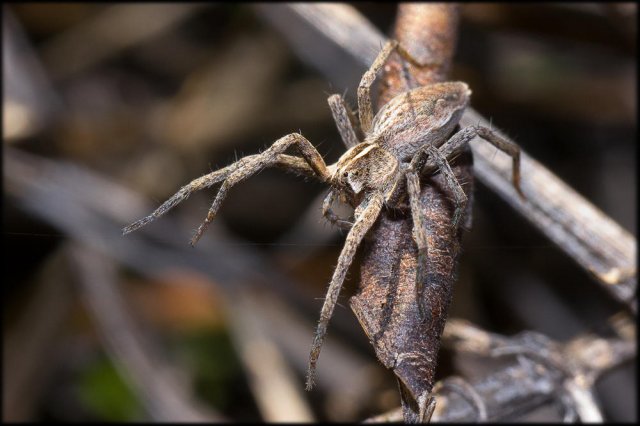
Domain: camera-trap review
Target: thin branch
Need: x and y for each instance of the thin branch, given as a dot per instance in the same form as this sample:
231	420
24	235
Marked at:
429	32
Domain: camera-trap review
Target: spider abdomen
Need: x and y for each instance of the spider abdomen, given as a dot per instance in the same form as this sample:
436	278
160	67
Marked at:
423	115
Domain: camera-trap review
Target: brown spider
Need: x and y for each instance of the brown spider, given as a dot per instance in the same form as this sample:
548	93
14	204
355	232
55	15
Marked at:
410	135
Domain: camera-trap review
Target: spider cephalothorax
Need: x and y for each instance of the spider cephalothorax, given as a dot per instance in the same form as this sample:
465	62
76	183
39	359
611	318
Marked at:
366	167
410	134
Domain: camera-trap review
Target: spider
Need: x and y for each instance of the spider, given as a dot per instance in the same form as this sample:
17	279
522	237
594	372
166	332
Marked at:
412	134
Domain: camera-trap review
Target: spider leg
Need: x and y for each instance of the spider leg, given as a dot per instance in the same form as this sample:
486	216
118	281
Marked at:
256	163
397	188
295	164
451	181
456	143
419	224
366	215
311	165
419	236
365	111
328	213
508	148
344	120
202	182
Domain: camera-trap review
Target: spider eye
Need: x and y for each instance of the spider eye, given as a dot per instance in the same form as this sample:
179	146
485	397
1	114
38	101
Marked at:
345	174
451	97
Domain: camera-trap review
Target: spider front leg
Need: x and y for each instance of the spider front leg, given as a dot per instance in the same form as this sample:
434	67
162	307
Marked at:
311	163
366	215
260	161
202	182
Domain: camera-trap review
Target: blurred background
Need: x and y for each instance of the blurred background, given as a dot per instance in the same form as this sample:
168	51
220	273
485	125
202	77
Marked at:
110	109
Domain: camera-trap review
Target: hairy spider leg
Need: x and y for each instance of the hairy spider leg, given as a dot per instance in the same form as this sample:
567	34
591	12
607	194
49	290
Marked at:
420	231
430	158
311	164
457	143
365	111
420	237
287	162
257	163
366	215
459	197
202	182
